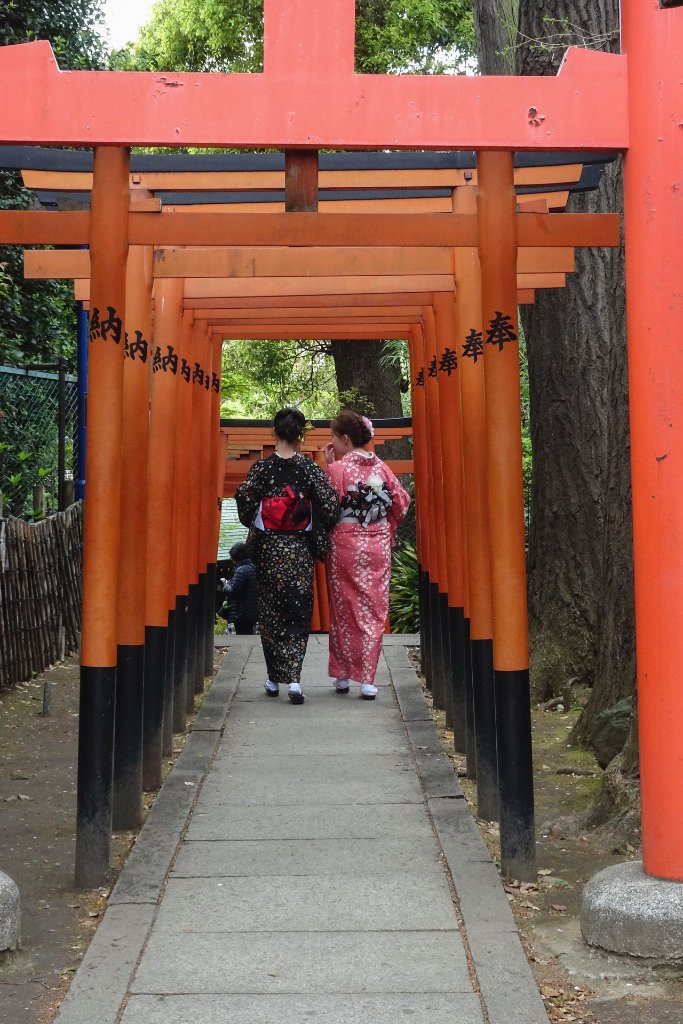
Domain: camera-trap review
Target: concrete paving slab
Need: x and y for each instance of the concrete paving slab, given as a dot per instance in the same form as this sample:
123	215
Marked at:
310	780
319	962
292	857
506	982
458	834
211	715
150	859
431	1008
483	902
323	903
344	822
321	698
345	734
401	640
102	980
411	701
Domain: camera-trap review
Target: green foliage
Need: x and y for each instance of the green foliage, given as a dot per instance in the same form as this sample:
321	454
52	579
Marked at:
425	36
198	35
71	26
526	424
19	472
29	445
404	603
421	36
37	319
259	377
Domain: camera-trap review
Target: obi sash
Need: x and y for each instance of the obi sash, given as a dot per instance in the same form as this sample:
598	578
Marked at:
365	503
290	512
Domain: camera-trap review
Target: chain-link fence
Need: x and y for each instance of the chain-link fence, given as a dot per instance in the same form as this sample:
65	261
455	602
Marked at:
31	420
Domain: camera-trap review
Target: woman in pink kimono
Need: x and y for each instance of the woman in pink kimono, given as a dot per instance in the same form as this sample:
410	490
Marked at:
373	503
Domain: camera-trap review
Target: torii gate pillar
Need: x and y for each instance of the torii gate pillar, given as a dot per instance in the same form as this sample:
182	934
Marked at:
634	908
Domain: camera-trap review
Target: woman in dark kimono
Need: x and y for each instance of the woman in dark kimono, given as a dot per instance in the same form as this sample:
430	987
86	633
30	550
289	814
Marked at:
289	507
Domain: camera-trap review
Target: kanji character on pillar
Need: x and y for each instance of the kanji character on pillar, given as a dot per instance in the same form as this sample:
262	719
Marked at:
112	325
448	362
500	331
169	363
139	347
474	346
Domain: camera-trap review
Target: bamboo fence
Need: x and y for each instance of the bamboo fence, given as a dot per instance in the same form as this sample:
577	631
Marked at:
40	593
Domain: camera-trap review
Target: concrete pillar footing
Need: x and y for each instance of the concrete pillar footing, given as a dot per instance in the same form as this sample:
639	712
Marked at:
625	911
10	914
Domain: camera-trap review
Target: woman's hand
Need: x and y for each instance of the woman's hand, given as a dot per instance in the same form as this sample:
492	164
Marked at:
329	453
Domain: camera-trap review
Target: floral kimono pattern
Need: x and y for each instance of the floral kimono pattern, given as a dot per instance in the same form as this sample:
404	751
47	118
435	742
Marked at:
284	558
373	503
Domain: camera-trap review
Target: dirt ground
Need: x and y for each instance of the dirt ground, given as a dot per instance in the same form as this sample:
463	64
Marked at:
38	757
578	984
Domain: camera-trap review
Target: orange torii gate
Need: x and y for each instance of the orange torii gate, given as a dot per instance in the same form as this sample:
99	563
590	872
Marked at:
315	101
447	673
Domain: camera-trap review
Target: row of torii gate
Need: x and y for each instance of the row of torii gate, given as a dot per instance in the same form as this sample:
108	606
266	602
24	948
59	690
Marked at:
466	418
181	299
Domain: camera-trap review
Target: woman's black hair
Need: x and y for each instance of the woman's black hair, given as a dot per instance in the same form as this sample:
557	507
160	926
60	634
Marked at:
351	424
238	552
289	425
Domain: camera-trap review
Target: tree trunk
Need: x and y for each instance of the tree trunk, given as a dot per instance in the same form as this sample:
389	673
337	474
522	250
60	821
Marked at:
580	539
615	668
495	25
369	388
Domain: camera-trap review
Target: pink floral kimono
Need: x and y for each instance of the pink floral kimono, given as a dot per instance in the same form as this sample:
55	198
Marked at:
373	503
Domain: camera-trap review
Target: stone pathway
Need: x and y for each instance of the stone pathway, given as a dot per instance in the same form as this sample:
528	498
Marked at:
312	863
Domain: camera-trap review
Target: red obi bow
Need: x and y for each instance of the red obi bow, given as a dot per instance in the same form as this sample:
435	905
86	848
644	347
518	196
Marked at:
289	512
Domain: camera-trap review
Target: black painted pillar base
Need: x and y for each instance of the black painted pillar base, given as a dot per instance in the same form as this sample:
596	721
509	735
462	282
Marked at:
127	793
180	655
169	683
469	705
209	578
485	723
153	705
438	686
192	648
448	678
515	776
198	639
456	631
95	775
422	604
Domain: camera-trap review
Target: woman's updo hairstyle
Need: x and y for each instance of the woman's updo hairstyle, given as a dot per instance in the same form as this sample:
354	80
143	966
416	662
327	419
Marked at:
352	424
289	425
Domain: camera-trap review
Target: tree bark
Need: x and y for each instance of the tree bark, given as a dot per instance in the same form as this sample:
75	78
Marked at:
495	26
581	622
369	388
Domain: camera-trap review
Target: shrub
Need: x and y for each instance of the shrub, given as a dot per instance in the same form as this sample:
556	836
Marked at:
404	605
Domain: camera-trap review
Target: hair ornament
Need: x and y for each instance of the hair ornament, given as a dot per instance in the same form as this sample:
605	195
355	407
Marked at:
368	423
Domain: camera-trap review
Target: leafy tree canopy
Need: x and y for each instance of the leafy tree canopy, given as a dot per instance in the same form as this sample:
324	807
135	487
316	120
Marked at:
37	321
71	26
260	377
425	36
